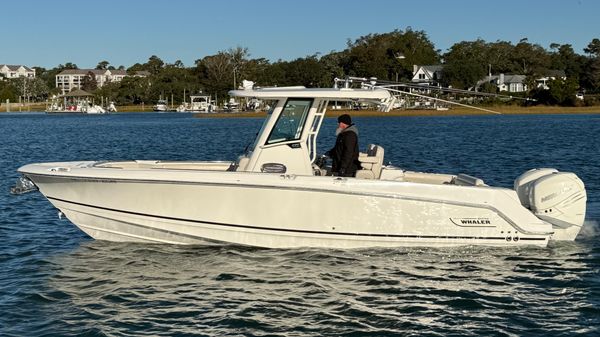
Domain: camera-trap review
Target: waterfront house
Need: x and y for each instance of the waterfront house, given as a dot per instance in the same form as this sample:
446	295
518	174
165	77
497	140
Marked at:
505	82
511	83
14	71
70	79
516	83
428	74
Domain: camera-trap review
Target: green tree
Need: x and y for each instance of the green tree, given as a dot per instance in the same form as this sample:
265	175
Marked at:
275	74
407	49
68	65
593	48
135	68
564	58
111	91
332	65
7	91
530	59
103	65
591	78
308	72
563	91
465	65
172	81
178	64
389	56
238	59
498	57
217	73
154	64
256	70
132	90
31	89
89	82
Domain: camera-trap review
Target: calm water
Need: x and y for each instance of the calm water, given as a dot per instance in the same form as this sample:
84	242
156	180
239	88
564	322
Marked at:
55	281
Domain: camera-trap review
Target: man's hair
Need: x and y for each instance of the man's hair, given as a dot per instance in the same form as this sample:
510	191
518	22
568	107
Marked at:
345	118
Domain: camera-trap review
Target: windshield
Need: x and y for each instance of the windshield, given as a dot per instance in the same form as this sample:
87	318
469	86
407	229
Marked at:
291	121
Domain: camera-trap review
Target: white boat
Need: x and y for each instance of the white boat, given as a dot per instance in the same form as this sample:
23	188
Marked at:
80	107
77	101
94	109
232	105
198	103
279	194
161	106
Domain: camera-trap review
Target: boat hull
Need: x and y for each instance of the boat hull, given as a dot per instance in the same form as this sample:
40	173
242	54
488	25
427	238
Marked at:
280	211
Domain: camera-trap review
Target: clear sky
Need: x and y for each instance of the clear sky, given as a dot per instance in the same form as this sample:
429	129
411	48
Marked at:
123	32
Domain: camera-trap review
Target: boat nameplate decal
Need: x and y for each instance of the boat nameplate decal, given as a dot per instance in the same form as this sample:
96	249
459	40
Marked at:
472	222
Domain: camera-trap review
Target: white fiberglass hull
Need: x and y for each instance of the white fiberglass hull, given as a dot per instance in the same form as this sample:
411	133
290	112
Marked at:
281	211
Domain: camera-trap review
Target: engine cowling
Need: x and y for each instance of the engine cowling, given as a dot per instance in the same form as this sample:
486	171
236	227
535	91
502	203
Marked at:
556	197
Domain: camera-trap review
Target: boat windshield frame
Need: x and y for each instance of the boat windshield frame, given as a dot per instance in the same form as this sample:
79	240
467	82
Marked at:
286	119
262	127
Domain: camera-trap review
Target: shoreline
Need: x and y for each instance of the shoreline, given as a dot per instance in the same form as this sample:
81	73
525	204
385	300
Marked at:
460	111
456	111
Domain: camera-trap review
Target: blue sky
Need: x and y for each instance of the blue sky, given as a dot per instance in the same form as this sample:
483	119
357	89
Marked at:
123	32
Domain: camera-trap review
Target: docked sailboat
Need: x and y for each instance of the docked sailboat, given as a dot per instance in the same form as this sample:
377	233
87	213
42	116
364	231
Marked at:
280	193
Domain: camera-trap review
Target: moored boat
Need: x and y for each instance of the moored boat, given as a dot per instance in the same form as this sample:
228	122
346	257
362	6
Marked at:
198	103
161	106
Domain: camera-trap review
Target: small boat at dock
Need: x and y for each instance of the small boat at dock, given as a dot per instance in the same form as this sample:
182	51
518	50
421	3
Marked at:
198	103
161	106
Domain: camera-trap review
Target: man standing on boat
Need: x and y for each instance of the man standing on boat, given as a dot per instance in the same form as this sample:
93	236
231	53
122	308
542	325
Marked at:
345	152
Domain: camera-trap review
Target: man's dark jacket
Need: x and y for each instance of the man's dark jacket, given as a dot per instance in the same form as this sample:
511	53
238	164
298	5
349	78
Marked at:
345	153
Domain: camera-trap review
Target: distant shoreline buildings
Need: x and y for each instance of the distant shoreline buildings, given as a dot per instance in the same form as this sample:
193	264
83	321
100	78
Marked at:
72	79
432	74
15	71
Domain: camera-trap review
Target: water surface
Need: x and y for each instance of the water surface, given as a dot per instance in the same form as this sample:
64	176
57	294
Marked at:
55	281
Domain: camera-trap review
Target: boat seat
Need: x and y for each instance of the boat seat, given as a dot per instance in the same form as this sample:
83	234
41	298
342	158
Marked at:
467	180
371	162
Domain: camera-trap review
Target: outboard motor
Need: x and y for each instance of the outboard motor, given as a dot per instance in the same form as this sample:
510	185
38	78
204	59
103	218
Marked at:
556	197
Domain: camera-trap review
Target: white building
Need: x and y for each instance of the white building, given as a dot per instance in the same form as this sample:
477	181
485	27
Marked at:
14	71
70	79
430	74
505	82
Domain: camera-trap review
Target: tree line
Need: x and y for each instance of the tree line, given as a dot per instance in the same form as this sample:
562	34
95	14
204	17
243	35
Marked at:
387	56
